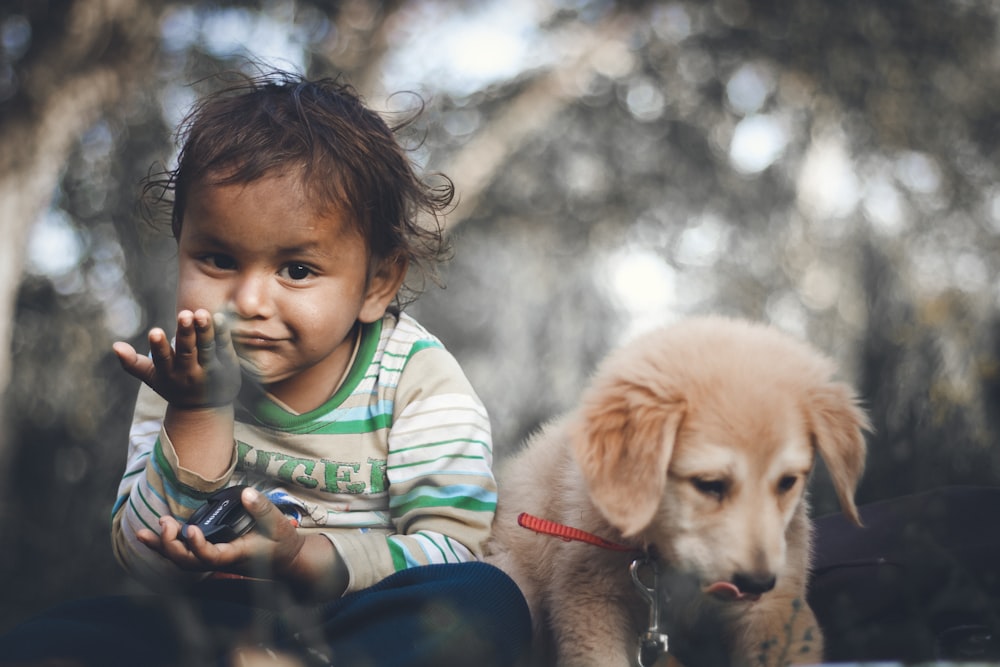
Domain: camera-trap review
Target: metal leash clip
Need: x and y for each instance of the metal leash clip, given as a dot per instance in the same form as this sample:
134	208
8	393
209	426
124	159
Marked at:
652	642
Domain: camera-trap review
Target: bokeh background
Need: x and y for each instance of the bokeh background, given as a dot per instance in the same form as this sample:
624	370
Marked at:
830	167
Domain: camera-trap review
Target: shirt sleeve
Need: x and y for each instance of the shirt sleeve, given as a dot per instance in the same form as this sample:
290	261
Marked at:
442	491
154	485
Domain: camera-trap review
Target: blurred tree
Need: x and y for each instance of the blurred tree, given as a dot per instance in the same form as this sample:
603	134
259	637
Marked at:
64	63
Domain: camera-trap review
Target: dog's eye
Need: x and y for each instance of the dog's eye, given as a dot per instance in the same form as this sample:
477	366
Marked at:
715	488
787	483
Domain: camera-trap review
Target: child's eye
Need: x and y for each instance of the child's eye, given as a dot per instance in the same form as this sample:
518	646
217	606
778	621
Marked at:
223	262
297	271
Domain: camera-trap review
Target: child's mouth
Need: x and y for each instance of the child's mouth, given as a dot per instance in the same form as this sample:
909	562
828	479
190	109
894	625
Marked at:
253	340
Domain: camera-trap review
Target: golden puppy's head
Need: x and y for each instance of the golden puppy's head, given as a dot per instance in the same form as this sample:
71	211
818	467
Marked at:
701	437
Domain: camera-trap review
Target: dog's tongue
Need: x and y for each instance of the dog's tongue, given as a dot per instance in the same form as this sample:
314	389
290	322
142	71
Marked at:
727	591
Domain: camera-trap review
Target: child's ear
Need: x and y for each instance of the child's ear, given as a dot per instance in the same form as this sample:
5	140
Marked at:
383	285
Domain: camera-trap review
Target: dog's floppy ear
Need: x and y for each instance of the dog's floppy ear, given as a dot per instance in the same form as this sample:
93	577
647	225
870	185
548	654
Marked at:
837	424
623	438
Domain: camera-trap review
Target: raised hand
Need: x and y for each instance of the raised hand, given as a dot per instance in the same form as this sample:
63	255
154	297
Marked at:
200	371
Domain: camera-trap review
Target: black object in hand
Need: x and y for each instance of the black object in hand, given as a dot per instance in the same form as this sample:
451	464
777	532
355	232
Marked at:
222	518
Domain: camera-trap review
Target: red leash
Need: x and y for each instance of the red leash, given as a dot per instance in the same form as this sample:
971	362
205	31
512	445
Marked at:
652	642
567	533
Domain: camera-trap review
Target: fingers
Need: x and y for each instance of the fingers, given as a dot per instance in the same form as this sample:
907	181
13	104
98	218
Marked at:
274	530
198	369
170	529
204	337
274	540
149	538
193	552
186	338
126	353
161	352
194	343
270	520
224	341
199	334
135	365
168	544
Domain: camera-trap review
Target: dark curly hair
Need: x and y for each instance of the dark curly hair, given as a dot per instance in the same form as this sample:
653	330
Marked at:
350	157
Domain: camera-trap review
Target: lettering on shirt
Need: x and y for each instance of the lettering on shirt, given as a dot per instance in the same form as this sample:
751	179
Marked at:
352	477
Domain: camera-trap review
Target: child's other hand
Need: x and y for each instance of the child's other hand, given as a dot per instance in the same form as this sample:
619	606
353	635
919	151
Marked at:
274	549
266	551
201	371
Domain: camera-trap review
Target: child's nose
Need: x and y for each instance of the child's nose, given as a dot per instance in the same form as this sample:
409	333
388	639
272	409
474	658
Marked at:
251	296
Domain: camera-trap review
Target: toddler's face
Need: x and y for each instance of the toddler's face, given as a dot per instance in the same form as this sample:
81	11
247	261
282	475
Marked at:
292	281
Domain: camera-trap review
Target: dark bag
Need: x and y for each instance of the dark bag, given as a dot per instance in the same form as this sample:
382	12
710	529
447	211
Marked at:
920	581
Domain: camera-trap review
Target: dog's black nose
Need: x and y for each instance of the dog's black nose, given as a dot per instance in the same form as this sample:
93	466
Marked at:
753	583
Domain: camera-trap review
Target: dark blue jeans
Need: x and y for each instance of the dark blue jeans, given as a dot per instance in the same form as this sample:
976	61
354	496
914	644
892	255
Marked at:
440	615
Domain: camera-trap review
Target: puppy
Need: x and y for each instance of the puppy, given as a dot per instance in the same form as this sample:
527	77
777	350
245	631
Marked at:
692	447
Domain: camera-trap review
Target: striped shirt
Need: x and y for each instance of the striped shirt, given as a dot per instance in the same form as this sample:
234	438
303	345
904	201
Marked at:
395	469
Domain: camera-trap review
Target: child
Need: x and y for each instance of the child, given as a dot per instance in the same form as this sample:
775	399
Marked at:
293	370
